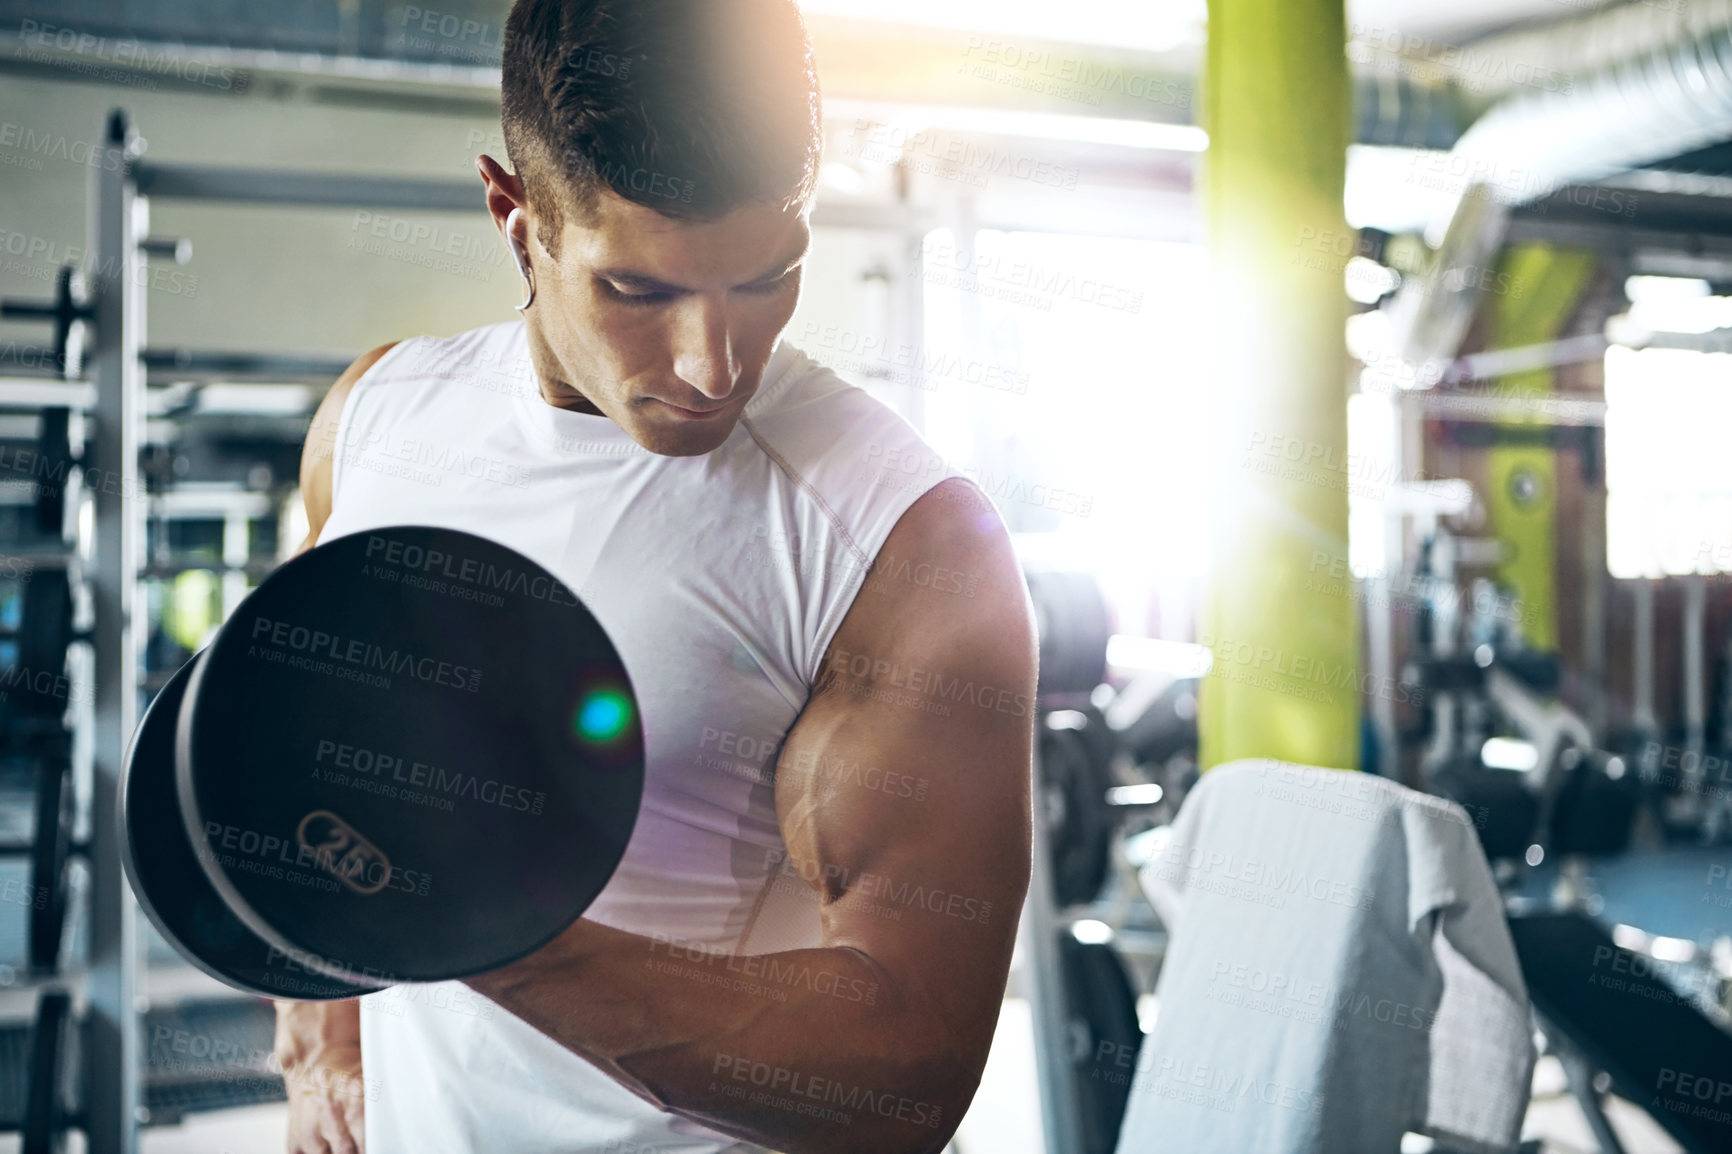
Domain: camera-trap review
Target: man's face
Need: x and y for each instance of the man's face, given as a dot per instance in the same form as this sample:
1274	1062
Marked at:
665	326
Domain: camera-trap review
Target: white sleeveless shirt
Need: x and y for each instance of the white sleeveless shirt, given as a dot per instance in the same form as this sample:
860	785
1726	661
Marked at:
721	580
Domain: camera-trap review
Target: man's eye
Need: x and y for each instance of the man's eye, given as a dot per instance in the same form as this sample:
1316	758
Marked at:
765	288
655	298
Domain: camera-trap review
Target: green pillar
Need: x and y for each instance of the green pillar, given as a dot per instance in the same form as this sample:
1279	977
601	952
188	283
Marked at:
1537	291
1281	618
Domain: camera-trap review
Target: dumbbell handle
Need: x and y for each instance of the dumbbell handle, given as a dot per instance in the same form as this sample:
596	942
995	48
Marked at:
45	310
75	635
63	311
61	308
26	848
1144	796
175	248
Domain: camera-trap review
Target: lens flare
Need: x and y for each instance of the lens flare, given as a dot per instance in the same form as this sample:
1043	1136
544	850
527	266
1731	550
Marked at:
603	716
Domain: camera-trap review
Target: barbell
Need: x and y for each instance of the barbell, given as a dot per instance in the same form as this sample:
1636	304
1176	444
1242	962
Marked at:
411	754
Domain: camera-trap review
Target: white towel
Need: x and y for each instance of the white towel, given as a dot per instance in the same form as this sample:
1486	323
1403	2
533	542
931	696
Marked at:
1339	973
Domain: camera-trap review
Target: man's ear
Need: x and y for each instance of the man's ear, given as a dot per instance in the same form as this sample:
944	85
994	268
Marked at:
504	192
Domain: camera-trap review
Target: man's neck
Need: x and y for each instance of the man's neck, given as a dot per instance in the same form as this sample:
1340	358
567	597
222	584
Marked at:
550	382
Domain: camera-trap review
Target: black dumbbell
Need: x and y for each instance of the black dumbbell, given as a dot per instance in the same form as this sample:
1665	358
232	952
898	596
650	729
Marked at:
54	462
36	686
412	754
46	1118
171	885
50	850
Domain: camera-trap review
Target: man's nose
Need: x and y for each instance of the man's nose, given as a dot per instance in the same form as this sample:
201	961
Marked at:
704	349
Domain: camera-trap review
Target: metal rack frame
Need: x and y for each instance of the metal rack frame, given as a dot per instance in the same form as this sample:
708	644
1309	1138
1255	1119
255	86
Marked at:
115	396
113	1082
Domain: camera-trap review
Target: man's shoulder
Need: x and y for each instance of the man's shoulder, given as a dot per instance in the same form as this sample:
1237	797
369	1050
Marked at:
795	387
491	359
832	433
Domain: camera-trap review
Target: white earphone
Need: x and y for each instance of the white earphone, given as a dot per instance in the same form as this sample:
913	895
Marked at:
519	257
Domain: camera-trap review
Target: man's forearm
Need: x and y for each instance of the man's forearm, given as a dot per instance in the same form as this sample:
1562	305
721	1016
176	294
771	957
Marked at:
805	1051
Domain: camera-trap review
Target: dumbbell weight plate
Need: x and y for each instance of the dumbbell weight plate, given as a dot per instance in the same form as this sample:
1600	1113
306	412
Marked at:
48	854
44	1124
412	749
44	634
171	886
1075	783
54	462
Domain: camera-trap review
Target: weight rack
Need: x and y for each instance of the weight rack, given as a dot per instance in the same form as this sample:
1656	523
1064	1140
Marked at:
108	1047
112	392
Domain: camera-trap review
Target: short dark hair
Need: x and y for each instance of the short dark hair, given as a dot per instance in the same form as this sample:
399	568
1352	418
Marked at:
691	107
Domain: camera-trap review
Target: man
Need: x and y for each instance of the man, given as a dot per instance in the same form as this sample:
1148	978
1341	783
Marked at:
806	944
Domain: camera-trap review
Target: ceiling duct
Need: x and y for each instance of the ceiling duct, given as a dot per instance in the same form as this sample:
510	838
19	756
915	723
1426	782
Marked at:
1580	100
1635	84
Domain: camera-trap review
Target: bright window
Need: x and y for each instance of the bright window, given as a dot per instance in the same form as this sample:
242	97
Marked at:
1668	488
1095	436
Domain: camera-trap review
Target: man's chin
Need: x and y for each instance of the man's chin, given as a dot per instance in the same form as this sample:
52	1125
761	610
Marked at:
682	438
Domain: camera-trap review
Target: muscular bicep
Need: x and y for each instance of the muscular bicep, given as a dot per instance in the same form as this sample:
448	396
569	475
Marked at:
903	788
